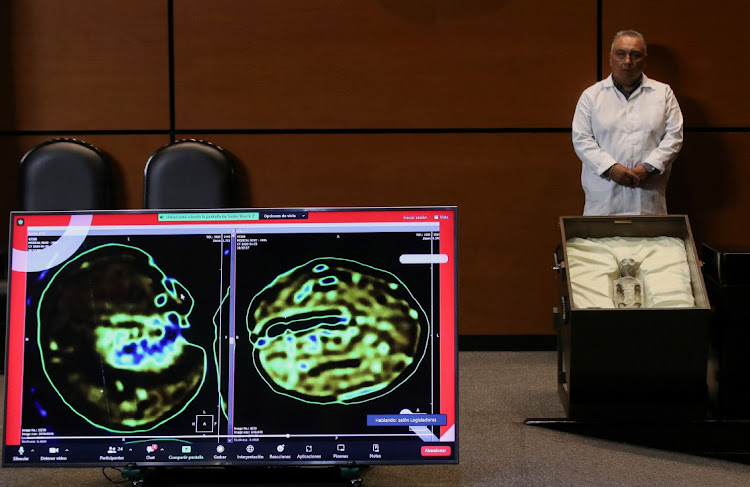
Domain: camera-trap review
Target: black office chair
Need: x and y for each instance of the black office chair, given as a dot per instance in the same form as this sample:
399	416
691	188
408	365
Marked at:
65	174
62	174
188	174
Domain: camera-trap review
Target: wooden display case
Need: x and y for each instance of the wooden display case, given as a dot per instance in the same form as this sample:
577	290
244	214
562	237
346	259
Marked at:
631	363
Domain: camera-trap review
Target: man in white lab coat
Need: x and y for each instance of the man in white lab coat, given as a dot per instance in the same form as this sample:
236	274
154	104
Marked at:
627	131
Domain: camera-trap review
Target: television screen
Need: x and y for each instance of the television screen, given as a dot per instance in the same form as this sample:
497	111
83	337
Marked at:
321	336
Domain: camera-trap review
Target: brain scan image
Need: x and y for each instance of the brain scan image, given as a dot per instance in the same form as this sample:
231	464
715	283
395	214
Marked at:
336	331
110	334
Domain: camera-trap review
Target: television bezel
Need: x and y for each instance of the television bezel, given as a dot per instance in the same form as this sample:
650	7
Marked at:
452	458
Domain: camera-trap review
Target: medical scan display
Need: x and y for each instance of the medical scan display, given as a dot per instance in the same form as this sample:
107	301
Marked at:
238	337
375	337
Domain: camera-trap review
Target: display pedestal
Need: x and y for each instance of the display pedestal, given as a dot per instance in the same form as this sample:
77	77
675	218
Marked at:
612	368
723	439
250	476
727	273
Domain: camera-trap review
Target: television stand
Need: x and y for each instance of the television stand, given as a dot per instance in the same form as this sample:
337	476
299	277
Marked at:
168	476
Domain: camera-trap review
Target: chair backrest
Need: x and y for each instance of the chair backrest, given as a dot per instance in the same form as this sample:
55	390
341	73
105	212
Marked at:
65	174
189	173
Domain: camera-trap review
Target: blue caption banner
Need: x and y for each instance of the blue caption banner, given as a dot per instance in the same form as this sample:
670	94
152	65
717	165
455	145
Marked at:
406	420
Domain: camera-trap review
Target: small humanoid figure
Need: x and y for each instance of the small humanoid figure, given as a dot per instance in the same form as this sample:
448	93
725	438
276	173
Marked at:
628	291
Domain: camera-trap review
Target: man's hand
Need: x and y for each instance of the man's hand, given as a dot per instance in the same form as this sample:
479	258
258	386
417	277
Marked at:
624	176
641	173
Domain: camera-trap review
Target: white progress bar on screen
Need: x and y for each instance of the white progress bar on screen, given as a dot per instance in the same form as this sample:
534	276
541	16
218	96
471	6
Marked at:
423	258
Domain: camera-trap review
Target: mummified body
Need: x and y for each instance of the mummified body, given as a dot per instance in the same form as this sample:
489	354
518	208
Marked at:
628	291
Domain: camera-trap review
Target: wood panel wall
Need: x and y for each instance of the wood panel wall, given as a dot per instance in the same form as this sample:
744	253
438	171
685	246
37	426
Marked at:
385	102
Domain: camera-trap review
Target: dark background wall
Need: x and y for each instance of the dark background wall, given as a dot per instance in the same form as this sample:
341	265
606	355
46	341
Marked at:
386	102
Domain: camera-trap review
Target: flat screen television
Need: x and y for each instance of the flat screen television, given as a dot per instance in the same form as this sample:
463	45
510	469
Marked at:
319	336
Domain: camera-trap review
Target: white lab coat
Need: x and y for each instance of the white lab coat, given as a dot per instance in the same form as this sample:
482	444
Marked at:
609	129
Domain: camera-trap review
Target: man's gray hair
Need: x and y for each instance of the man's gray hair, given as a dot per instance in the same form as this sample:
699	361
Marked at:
633	33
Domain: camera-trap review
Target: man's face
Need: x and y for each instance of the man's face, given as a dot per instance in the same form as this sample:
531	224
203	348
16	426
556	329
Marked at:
627	59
